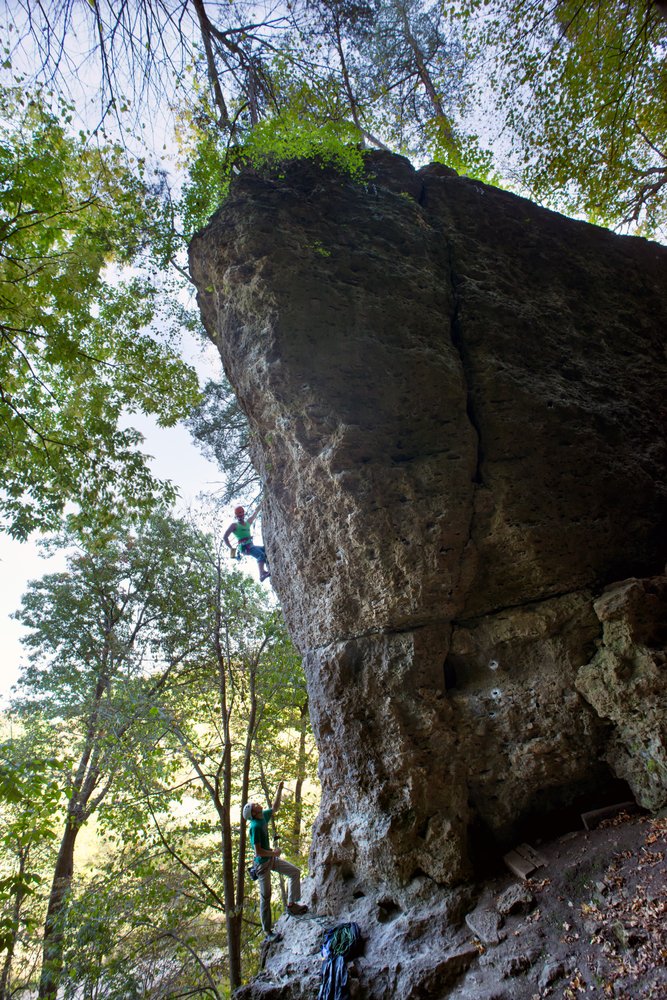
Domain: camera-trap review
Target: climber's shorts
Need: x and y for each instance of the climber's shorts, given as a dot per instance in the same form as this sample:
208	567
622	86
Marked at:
258	551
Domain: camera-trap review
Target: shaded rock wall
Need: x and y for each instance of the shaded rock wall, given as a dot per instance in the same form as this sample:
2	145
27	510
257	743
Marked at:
457	409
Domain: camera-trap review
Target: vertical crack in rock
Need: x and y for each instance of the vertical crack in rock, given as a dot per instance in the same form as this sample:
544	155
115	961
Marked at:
468	554
459	343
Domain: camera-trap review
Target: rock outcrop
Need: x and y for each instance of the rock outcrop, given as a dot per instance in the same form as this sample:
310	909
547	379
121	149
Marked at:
457	407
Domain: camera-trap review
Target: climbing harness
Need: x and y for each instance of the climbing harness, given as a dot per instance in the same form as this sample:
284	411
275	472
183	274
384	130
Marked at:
340	944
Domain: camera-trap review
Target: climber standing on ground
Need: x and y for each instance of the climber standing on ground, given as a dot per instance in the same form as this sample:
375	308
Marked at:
241	529
268	860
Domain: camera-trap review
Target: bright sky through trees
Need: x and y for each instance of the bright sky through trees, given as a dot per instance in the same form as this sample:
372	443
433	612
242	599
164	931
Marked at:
175	458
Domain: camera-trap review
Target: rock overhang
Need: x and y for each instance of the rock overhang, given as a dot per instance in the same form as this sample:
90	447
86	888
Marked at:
455	403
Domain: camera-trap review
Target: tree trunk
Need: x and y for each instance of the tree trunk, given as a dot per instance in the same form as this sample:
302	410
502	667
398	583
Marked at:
424	75
54	937
232	922
205	29
245	785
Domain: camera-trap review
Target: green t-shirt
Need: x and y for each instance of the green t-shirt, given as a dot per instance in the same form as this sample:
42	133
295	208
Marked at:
242	532
259	834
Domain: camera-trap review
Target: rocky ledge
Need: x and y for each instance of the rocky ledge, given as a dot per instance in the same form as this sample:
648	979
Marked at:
589	921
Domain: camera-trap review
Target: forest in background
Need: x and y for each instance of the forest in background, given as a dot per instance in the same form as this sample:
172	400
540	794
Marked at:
160	692
160	686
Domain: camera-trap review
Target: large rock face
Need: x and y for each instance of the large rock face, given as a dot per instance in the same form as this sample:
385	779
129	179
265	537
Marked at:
455	399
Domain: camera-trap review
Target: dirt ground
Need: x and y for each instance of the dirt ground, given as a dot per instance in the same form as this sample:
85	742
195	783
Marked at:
590	922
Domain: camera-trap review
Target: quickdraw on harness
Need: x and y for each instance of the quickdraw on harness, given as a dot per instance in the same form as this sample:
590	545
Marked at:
339	945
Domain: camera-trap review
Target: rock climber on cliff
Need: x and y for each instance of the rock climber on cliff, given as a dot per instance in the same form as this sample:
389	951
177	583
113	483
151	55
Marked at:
241	529
267	860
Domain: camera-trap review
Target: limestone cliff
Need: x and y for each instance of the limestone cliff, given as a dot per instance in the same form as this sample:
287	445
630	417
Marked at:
457	405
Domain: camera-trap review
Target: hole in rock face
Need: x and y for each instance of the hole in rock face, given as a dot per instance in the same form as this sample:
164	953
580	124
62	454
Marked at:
486	854
422	829
450	675
347	871
557	811
358	894
388	909
551	813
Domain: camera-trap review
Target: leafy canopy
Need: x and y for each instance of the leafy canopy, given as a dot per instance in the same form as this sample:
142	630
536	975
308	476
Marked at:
574	94
76	351
582	89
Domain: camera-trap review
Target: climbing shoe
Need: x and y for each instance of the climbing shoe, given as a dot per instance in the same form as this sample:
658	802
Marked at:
263	577
297	909
273	936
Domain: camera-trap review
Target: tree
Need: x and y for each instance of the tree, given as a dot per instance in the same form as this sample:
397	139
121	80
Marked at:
411	69
147	48
106	637
76	353
158	675
375	71
231	723
30	798
582	89
138	927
